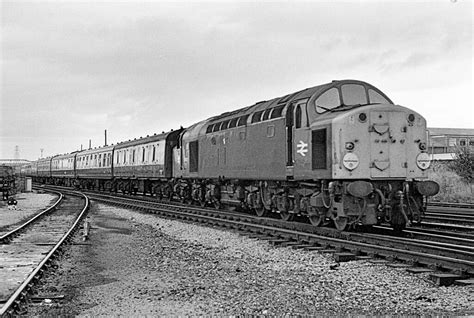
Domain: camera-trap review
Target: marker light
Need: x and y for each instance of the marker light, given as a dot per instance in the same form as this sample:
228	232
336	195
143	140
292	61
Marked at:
349	146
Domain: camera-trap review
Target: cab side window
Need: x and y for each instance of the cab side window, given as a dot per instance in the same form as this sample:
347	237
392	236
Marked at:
298	116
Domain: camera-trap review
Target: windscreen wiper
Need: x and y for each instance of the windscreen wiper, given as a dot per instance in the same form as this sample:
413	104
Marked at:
347	107
341	107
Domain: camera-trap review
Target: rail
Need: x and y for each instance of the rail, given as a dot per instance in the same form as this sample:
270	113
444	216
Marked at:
13	303
8	236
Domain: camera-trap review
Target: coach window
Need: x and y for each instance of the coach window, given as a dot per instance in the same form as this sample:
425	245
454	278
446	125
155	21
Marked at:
209	129
143	154
353	94
376	98
216	127
328	100
100	160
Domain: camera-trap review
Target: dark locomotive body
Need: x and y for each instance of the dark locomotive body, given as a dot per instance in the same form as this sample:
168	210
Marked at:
341	151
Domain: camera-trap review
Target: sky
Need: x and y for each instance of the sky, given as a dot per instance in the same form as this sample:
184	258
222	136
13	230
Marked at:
72	69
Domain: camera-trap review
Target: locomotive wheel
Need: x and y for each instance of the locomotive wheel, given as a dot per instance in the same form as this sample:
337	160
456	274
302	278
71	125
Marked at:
261	212
285	216
316	219
340	222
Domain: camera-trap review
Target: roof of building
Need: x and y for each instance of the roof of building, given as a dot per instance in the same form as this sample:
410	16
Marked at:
451	131
13	162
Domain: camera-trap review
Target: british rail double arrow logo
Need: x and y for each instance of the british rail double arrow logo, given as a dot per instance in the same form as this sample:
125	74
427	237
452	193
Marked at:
302	148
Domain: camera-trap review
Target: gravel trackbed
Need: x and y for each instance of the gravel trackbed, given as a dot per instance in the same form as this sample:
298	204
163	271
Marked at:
137	264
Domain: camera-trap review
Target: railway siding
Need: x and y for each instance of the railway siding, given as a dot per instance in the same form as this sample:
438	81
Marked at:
29	204
27	251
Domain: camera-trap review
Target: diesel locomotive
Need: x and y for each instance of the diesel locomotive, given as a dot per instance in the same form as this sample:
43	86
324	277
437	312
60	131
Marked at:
340	153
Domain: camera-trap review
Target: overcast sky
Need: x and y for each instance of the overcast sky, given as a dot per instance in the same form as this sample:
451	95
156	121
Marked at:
71	69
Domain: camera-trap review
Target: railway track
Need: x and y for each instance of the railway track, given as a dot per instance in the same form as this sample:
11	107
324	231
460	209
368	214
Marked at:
452	204
450	214
442	252
29	250
450	217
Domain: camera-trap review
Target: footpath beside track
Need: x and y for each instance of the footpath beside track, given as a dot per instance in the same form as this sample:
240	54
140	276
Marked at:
30	249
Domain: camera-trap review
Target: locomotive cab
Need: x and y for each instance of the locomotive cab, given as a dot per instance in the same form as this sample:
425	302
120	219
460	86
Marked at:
368	155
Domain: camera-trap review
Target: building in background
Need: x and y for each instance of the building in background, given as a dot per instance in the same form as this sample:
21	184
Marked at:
444	142
11	179
15	163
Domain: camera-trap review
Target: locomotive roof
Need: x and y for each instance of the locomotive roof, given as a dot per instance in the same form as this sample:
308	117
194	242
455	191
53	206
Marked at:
284	100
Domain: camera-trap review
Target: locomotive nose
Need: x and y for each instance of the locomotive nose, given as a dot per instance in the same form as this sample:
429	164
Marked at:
395	138
381	141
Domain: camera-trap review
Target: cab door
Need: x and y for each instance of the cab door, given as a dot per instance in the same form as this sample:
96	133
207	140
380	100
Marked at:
301	141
